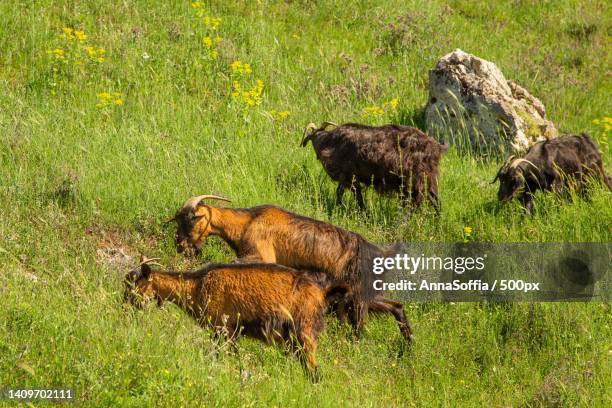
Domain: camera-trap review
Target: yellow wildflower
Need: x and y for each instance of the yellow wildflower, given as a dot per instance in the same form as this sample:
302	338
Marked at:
101	55
393	103
605	124
279	115
68	33
57	53
238	67
107	99
250	97
196	5
236	89
467	231
210	48
80	35
95	54
212	23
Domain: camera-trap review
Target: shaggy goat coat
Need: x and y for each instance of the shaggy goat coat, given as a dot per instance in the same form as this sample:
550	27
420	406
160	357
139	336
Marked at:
392	158
264	301
552	165
274	235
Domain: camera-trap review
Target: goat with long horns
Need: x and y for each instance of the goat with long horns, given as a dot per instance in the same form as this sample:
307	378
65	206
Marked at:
551	165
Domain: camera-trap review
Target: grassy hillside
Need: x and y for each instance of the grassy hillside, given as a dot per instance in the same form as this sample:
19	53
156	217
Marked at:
113	113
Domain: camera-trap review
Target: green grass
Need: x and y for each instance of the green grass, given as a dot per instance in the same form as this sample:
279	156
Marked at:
81	185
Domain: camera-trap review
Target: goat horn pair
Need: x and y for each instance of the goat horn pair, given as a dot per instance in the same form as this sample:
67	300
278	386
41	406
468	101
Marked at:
312	127
148	261
324	125
194	201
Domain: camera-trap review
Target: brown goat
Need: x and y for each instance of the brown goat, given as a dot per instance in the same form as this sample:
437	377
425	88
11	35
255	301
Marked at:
392	158
274	235
268	302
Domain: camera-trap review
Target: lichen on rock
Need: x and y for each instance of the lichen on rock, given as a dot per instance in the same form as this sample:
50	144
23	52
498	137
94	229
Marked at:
471	104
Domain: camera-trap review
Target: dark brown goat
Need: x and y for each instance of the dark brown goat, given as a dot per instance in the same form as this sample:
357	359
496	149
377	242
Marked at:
392	158
274	235
264	301
551	165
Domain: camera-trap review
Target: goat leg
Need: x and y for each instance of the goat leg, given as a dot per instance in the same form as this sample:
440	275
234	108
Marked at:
382	305
527	201
308	348
358	315
358	196
434	201
340	193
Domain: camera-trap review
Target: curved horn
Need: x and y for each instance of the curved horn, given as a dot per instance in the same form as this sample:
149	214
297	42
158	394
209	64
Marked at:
136	272
519	161
148	261
497	175
324	125
506	163
312	127
194	201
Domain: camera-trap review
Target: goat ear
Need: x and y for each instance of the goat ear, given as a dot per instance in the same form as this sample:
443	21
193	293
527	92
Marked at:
145	271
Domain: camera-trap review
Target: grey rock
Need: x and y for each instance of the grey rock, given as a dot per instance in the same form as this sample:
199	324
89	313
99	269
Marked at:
471	103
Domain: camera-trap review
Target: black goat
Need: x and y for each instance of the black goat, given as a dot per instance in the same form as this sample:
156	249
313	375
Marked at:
551	165
392	158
